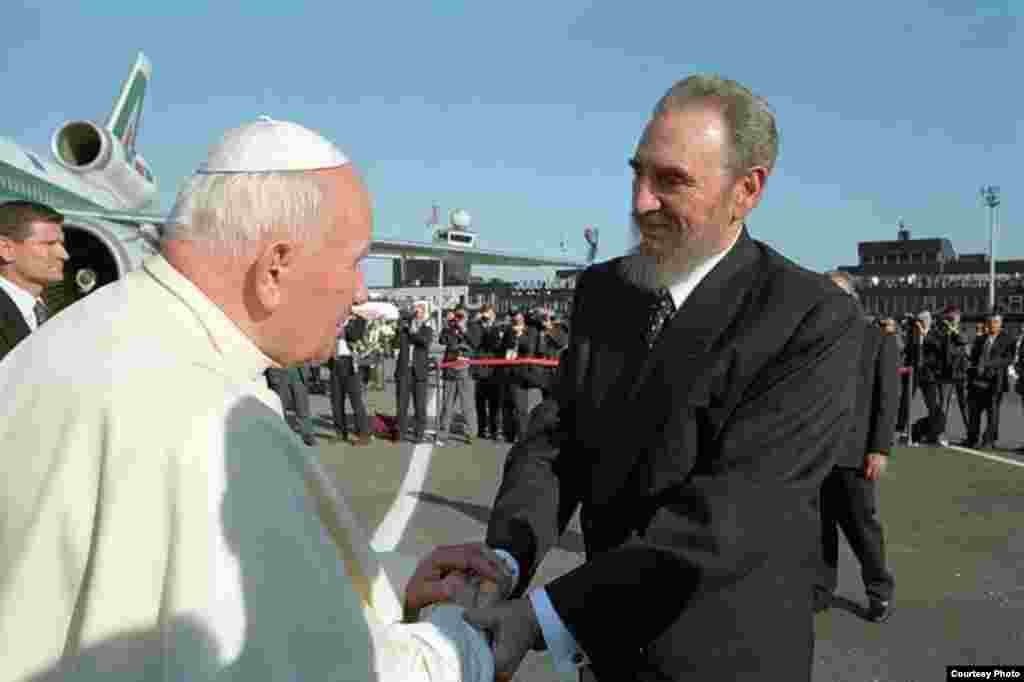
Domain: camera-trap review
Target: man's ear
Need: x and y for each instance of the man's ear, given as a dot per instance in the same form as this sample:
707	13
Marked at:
272	272
747	192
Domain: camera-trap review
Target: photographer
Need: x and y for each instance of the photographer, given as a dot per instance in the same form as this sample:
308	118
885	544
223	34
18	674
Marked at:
415	334
908	382
925	353
946	361
458	385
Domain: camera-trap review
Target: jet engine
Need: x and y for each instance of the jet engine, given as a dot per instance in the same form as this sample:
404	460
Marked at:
100	159
98	255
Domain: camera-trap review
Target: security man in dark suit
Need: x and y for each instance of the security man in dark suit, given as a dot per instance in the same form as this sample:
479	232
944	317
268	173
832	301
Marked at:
848	497
415	334
694	442
32	255
991	357
486	337
521	341
550	344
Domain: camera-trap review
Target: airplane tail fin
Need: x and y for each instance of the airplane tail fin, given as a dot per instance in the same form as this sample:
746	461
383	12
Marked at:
126	116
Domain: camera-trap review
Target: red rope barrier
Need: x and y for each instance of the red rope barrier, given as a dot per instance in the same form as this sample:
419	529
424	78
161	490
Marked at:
497	362
544	362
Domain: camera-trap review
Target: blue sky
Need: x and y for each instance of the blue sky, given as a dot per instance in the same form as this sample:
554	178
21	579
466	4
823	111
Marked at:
525	113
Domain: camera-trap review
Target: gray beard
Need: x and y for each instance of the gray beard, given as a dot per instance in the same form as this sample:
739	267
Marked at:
652	272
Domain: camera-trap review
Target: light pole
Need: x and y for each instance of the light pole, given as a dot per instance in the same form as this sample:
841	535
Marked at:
990	195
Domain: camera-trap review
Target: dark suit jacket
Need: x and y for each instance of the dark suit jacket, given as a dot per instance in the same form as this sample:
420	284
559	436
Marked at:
355	330
13	327
526	345
878	399
697	466
487	342
414	351
999	361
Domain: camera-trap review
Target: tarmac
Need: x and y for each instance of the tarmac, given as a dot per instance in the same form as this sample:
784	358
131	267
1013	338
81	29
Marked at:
953	518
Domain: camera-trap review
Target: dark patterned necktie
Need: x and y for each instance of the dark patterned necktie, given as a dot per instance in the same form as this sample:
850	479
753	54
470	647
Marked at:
661	311
41	311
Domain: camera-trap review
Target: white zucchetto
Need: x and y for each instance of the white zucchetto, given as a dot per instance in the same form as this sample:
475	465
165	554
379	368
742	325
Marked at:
268	146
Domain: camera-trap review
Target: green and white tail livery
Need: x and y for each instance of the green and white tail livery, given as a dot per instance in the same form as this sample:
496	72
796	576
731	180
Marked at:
126	116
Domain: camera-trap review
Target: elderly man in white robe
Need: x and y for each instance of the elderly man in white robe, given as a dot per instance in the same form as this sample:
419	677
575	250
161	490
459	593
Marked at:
185	533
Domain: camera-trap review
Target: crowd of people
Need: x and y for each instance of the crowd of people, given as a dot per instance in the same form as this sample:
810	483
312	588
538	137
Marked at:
954	368
162	521
494	402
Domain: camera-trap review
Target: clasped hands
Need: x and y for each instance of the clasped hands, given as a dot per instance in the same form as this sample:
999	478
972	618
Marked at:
474	577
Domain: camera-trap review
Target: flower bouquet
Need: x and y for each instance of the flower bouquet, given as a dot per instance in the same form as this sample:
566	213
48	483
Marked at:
377	343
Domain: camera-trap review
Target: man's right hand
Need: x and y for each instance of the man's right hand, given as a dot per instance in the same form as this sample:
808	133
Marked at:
446	575
513	630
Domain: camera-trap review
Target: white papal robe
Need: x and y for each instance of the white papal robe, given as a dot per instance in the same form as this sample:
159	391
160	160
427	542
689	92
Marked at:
156	521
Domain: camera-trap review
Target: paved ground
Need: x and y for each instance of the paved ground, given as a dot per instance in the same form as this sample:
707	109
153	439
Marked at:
954	526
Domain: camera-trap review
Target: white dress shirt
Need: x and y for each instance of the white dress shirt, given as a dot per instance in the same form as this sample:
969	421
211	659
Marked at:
160	520
25	301
342	348
565	653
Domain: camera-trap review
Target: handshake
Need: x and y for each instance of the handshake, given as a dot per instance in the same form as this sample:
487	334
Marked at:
476	578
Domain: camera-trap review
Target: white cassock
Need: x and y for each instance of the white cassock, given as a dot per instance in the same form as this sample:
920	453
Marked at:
156	521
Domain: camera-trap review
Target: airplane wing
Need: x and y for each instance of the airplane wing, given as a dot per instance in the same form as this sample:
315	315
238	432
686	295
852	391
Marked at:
378	247
396	248
113	215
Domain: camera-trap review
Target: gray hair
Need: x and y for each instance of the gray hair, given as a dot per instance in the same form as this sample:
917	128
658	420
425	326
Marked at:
234	211
751	123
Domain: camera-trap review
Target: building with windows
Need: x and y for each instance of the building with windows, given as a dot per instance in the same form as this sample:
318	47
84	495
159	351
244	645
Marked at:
905	276
424	272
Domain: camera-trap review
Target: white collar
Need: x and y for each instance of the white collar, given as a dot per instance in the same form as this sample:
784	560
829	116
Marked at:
685	285
25	301
242	358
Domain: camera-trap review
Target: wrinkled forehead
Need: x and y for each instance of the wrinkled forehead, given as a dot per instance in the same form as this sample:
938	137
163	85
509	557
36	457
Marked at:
694	131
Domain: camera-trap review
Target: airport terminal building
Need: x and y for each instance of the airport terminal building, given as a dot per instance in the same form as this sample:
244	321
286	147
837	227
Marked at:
906	276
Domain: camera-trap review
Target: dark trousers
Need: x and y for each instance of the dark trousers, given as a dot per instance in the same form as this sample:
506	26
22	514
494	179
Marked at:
906	392
346	382
934	393
988	402
962	402
410	387
849	501
488	405
294	395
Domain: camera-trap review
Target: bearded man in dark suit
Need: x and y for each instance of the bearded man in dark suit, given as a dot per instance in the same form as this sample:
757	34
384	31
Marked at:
695	441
